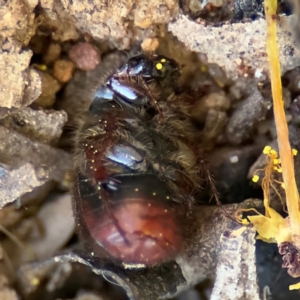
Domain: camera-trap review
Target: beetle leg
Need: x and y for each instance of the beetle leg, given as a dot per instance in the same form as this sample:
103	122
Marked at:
151	96
205	173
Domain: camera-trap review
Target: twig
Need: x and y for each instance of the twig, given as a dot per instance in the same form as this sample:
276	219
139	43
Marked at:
285	151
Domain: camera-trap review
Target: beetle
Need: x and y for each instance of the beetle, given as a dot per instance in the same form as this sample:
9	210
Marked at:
136	176
130	84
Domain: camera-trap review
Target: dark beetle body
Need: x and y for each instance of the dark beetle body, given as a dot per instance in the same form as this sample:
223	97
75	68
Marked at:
128	84
136	176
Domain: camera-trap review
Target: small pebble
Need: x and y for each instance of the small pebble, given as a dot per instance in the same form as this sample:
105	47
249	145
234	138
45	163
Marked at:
150	44
52	54
216	3
63	70
216	101
85	56
50	86
237	90
218	74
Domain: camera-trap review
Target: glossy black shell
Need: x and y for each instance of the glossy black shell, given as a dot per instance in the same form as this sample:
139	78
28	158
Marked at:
129	83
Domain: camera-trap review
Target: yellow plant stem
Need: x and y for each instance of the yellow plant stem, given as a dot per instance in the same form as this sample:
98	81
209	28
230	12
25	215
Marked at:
285	151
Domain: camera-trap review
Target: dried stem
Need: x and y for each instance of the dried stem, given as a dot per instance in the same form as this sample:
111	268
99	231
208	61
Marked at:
285	151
